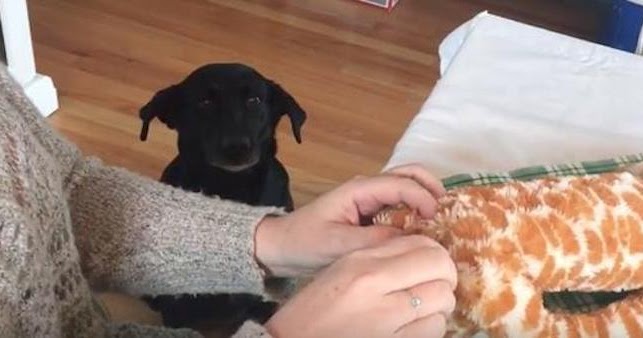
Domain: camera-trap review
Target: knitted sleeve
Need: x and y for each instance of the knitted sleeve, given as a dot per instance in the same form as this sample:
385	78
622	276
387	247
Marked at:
140	236
132	234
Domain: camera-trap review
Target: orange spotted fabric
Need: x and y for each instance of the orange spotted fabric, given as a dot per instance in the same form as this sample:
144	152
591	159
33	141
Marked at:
513	241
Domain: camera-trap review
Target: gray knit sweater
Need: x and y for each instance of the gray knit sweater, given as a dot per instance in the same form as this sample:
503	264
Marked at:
70	225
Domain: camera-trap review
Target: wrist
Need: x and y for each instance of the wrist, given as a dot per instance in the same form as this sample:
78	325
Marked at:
267	248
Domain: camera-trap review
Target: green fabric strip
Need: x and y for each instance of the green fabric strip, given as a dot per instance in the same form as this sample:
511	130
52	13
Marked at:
535	172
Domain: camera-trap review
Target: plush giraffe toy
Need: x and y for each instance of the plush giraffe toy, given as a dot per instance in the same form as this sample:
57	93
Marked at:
514	242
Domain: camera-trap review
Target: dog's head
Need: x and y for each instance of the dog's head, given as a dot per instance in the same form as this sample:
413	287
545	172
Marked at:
226	113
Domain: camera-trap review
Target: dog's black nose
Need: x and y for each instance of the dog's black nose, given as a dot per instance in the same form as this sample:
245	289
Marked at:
236	149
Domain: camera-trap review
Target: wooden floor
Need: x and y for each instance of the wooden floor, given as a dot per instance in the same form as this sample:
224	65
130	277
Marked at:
360	73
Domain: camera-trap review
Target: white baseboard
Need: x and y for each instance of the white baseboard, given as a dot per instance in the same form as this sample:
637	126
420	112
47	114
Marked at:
42	92
16	39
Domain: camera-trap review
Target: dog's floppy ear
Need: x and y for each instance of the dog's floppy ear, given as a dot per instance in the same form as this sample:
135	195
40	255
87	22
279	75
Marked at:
283	103
164	105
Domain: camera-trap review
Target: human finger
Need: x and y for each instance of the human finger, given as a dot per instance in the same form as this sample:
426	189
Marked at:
421	301
434	326
373	194
400	245
419	173
415	267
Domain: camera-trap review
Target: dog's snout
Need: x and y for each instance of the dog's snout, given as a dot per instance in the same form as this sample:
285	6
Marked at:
236	148
233	153
236	144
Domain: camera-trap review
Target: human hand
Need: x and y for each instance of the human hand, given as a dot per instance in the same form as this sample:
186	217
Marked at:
369	293
317	234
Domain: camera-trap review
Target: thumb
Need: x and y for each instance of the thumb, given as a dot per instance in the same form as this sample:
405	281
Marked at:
362	237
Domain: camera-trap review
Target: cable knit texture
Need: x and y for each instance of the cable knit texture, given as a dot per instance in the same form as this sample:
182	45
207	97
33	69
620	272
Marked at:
70	226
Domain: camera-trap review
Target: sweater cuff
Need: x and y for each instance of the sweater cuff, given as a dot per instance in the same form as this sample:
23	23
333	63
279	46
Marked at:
140	236
251	330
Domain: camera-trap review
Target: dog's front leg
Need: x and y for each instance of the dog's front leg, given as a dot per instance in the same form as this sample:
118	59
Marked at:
276	187
179	175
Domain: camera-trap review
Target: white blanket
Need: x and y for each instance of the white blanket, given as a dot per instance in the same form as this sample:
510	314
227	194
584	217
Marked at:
513	95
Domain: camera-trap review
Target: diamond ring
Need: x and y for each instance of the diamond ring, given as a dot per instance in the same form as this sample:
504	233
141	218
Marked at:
415	301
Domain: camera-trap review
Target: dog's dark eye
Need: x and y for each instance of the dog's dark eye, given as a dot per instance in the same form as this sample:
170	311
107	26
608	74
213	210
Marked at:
253	101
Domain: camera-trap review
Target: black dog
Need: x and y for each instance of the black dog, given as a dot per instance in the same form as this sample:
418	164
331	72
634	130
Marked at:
225	116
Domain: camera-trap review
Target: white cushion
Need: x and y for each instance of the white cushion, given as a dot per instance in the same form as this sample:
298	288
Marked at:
513	95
